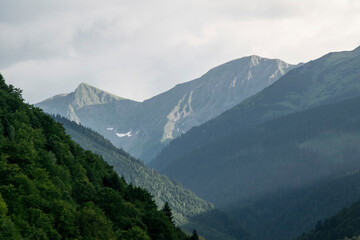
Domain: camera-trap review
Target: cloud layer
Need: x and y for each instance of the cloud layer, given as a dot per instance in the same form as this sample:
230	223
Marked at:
137	49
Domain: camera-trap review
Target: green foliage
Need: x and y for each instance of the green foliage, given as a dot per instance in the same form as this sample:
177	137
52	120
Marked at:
188	210
194	236
50	188
167	211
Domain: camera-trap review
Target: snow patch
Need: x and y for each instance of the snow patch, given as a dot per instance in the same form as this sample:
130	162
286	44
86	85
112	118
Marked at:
110	129
120	135
233	84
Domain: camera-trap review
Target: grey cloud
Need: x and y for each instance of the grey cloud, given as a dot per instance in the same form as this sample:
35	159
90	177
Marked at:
136	49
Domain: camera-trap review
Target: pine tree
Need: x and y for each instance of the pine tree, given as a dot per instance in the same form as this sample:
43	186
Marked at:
194	236
167	211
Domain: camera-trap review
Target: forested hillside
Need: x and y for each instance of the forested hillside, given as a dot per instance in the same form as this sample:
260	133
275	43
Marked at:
189	210
344	225
51	188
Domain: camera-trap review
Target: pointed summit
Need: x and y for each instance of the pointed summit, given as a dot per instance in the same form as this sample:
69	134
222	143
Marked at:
86	94
84	85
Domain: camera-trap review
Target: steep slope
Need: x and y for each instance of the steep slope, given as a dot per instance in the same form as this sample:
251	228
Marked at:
51	188
144	129
189	211
281	154
331	78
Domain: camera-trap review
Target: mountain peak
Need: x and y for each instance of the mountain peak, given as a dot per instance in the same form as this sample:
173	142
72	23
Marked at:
85	86
86	94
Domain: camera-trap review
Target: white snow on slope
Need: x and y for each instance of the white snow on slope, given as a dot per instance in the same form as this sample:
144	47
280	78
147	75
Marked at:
128	134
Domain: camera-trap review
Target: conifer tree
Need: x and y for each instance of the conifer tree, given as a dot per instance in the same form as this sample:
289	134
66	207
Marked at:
194	236
167	211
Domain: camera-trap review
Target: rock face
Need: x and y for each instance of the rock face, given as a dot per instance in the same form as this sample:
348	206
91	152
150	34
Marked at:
143	129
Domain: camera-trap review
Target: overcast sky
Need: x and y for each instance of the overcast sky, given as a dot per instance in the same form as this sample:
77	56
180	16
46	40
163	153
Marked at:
139	48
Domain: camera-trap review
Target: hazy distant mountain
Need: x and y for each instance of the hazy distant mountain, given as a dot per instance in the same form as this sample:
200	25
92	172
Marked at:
143	129
331	78
69	105
189	210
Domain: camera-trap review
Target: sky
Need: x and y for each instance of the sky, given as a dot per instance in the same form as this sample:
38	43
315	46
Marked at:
137	49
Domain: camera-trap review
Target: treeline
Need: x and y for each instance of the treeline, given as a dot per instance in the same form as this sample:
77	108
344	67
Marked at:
51	188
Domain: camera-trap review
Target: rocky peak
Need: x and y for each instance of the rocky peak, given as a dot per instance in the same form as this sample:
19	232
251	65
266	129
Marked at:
86	94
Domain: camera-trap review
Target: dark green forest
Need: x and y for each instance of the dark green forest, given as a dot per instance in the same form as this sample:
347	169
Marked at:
189	211
344	225
51	188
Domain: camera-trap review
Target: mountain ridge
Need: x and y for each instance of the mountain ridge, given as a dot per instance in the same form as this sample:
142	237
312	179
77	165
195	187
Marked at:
330	78
154	122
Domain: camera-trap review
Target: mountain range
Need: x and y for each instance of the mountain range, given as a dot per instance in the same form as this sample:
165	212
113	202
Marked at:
331	78
143	129
277	157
